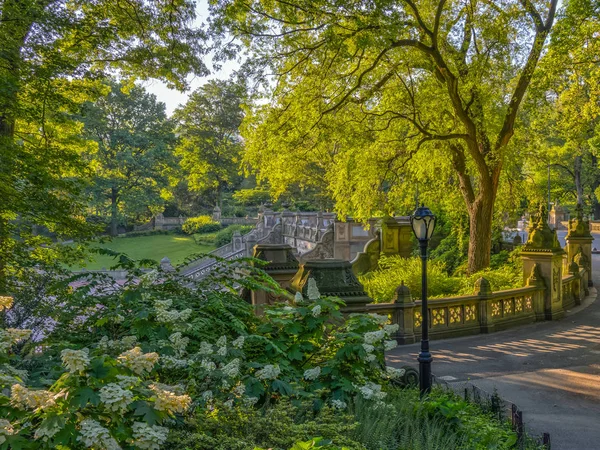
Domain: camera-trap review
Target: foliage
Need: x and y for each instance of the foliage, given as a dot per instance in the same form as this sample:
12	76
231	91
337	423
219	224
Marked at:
278	426
55	52
382	283
225	236
133	155
371	98
200	224
210	145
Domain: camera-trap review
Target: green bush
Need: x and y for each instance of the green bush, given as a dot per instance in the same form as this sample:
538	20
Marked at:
148	233
278	427
383	282
225	236
200	224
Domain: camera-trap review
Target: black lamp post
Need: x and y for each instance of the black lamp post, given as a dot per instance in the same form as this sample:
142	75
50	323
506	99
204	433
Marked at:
422	222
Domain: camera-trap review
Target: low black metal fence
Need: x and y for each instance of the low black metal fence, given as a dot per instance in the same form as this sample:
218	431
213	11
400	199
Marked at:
499	408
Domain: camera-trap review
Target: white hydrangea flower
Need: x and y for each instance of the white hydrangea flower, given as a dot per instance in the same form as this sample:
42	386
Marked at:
22	398
298	297
232	368
205	348
222	351
128	341
312	291
127	381
370	357
316	311
208	365
368	348
225	385
268	372
380	319
115	398
179	343
75	360
239	342
392	372
171	362
228	403
312	374
164	315
288	309
391	329
167	400
389	345
93	435
372	391
339	404
137	361
148	437
250	401
372	337
10	336
240	389
207	396
222	341
118	318
6	428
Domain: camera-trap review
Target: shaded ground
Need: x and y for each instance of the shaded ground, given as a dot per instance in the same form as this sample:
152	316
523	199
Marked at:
175	247
551	370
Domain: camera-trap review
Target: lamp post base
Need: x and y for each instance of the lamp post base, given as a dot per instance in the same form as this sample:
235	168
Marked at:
425	372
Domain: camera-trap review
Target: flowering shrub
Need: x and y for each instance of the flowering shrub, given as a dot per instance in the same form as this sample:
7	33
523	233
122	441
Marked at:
120	361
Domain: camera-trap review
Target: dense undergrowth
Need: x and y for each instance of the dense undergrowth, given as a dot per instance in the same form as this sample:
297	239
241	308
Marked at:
381	284
165	362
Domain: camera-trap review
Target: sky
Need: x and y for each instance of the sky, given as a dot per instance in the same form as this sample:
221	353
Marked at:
173	98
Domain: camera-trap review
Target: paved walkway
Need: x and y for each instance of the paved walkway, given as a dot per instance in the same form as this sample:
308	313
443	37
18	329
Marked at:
551	370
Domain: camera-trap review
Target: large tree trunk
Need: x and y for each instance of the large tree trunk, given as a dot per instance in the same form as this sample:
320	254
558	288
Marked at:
114	213
480	233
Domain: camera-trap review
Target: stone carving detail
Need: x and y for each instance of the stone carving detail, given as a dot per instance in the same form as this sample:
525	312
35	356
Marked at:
541	237
579	227
455	314
438	316
418	319
470	313
323	249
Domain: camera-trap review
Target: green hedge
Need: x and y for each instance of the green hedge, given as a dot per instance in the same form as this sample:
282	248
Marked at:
224	236
200	224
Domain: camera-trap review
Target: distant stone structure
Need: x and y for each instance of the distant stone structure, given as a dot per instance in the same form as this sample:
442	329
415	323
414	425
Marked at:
558	215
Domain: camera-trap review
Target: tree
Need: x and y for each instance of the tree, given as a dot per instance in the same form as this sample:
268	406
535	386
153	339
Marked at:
53	51
442	77
210	145
134	152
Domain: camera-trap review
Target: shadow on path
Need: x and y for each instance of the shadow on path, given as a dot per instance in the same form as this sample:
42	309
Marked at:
551	370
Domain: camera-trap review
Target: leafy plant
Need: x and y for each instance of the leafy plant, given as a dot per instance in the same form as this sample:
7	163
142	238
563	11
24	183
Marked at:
225	236
200	224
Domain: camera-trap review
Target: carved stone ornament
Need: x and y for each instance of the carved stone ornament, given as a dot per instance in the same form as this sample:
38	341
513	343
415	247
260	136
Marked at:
578	226
541	237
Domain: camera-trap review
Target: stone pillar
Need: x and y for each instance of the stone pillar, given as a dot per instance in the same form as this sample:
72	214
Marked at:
216	215
159	221
282	266
396	236
579	243
543	259
237	242
483	290
404	315
250	243
165	265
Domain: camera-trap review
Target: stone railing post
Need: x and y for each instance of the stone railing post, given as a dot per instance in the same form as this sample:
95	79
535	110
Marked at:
165	264
483	290
404	315
576	287
216	215
237	241
579	243
543	259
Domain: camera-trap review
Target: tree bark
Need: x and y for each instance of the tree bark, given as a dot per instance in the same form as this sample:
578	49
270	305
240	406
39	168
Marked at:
480	233
114	216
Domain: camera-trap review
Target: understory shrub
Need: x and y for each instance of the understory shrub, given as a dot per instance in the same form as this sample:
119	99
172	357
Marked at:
225	236
382	283
200	224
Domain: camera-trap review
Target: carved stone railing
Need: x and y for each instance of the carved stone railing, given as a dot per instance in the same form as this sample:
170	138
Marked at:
484	312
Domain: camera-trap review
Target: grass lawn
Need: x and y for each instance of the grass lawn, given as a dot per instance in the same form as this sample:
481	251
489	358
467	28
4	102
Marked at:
176	247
